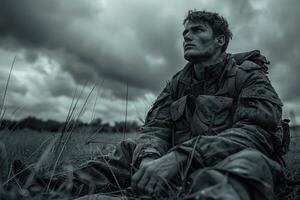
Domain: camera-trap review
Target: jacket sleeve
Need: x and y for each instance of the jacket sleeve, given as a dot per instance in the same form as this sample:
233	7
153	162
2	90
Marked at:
155	137
256	123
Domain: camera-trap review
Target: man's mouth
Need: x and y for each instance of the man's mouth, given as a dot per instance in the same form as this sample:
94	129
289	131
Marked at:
188	46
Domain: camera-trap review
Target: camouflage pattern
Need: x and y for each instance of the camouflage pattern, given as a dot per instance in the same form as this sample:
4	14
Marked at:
227	124
232	110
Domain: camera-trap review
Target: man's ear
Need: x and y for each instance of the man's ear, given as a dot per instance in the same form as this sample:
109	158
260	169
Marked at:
220	40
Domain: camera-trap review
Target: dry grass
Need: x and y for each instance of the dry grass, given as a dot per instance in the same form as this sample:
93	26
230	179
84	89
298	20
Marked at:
28	146
34	149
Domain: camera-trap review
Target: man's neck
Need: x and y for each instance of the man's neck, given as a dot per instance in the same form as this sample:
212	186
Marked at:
201	64
209	61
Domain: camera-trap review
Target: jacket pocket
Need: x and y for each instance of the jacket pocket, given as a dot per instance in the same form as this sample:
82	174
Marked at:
177	108
212	112
181	127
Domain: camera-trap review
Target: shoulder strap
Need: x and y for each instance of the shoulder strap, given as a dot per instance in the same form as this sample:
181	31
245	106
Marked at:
234	82
234	87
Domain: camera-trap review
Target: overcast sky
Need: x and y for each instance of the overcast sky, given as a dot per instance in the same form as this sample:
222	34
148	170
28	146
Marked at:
62	46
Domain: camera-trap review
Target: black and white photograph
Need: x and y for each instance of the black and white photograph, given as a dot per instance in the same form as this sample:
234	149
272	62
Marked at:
149	99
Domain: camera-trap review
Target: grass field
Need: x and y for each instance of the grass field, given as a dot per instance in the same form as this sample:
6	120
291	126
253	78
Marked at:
30	147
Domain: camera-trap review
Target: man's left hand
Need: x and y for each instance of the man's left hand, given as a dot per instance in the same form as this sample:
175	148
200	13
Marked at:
154	175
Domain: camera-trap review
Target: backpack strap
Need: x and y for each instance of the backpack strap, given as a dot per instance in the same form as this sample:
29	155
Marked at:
234	84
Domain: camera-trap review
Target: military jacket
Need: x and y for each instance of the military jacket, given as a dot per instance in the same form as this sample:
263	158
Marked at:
231	108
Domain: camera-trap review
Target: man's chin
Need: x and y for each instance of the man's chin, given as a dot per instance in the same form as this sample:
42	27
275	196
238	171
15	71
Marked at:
192	57
195	57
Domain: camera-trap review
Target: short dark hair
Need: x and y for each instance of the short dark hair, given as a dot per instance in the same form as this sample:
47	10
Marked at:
218	23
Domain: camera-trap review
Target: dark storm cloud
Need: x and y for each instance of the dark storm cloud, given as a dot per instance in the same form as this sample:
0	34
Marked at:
270	26
31	56
87	47
274	31
284	47
139	42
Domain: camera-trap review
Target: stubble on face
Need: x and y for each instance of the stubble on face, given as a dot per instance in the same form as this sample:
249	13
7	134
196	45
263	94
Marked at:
199	42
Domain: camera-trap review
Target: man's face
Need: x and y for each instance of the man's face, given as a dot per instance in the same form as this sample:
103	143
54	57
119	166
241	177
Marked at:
199	42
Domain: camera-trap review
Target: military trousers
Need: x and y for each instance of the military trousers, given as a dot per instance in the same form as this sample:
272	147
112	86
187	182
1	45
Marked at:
247	174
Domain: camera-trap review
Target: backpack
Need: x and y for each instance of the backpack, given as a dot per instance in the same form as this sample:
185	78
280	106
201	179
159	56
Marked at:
233	83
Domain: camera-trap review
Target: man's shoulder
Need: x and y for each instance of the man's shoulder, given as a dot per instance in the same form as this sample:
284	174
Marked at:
249	66
251	81
254	56
248	69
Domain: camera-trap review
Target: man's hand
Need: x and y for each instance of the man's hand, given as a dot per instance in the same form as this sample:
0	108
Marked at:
153	175
146	160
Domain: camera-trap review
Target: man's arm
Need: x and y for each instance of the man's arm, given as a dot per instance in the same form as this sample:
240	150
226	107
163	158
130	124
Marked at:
255	124
156	133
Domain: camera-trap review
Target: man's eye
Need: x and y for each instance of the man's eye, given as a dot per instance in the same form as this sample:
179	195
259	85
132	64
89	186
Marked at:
199	29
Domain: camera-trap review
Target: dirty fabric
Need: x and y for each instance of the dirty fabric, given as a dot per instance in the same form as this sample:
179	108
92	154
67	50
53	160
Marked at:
231	109
226	121
106	174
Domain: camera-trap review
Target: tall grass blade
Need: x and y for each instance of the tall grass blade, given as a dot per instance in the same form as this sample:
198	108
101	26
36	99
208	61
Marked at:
19	108
126	110
97	96
94	132
68	115
5	91
67	139
69	124
190	159
16	174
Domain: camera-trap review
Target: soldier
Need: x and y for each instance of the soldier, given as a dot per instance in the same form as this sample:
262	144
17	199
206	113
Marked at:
219	117
214	132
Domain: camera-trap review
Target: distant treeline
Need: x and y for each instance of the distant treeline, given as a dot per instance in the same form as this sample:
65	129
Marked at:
96	125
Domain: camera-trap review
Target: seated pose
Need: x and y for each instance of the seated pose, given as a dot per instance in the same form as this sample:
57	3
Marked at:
214	132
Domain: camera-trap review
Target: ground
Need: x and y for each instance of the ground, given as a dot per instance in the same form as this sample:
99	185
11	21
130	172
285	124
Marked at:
38	147
292	159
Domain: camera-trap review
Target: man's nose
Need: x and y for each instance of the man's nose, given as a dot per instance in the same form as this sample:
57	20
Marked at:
187	37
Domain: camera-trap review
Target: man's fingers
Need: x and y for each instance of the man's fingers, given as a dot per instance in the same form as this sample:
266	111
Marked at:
136	177
141	185
149	188
158	189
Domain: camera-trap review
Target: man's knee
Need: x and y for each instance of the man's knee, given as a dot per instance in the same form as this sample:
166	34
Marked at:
209	183
235	176
251	163
251	155
255	170
204	178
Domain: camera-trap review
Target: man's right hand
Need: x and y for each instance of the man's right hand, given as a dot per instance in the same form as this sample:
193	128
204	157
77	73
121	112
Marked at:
145	160
154	174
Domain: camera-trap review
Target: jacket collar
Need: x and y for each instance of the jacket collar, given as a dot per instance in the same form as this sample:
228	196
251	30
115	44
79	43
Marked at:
210	72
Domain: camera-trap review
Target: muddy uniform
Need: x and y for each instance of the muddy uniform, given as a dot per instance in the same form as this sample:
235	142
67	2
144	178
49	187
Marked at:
228	121
231	117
